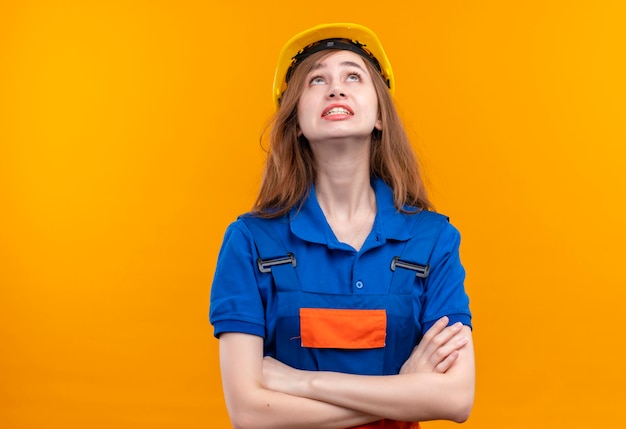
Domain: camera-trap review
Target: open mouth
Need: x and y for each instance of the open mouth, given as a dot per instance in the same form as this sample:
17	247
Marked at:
337	110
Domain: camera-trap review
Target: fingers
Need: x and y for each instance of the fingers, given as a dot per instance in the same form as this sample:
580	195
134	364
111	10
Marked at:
436	329
447	355
446	364
438	349
436	337
443	343
440	333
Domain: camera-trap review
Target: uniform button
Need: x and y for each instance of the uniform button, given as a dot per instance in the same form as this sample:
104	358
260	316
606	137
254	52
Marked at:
359	284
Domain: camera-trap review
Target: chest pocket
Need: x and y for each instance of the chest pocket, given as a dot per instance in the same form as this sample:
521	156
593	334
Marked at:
327	328
358	334
343	333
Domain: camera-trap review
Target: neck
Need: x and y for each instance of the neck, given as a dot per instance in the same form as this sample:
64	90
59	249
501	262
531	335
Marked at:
345	194
342	184
350	210
343	198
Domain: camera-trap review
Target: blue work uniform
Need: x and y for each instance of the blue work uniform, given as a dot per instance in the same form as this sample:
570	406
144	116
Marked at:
344	310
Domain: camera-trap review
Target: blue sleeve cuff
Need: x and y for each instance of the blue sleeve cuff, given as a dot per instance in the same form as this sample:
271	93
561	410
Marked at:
453	318
238	326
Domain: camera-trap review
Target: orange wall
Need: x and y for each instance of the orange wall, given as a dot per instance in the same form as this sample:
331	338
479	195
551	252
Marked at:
129	140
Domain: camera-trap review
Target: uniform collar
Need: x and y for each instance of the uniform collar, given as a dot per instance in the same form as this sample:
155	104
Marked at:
310	224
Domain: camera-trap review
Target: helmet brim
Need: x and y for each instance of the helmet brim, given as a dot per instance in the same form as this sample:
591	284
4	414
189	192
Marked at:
354	32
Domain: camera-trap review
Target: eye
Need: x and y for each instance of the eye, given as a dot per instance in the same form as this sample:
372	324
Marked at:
317	80
354	77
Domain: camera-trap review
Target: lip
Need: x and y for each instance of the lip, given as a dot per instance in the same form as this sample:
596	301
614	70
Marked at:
337	106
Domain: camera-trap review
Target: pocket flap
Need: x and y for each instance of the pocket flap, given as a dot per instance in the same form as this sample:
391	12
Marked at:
343	329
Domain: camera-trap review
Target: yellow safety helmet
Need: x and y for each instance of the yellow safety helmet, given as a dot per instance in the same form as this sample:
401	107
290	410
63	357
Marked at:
353	37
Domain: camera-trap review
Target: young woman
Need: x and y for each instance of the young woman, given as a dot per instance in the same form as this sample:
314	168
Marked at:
339	300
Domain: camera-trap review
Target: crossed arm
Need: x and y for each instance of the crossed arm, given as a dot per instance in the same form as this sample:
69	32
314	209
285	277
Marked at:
436	382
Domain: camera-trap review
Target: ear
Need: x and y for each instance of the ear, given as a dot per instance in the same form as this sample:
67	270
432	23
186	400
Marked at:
379	124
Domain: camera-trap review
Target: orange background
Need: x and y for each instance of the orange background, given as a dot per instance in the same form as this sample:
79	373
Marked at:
129	140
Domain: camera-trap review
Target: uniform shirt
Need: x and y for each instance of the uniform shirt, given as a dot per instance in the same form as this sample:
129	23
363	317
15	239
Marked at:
243	299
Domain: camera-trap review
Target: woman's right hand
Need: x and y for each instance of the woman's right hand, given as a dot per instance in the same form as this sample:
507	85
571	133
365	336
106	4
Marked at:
438	349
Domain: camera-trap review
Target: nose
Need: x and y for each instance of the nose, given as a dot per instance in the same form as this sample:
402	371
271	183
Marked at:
336	92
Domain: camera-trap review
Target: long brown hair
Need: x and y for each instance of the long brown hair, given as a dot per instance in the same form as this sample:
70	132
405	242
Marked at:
290	169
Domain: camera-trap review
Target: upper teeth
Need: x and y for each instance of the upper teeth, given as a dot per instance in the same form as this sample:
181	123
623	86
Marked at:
337	111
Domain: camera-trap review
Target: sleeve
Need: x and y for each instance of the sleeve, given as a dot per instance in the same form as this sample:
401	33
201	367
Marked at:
236	304
444	290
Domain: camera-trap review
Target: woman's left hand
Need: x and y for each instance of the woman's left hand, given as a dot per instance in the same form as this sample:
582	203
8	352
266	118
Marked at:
438	349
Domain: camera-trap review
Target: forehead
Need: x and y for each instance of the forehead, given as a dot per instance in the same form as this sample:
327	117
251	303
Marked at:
340	58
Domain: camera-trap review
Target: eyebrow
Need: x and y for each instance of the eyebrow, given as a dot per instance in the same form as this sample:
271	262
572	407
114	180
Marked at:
343	63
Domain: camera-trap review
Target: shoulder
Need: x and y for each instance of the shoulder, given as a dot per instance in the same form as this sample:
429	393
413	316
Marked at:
420	220
244	231
433	226
433	217
251	221
254	230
